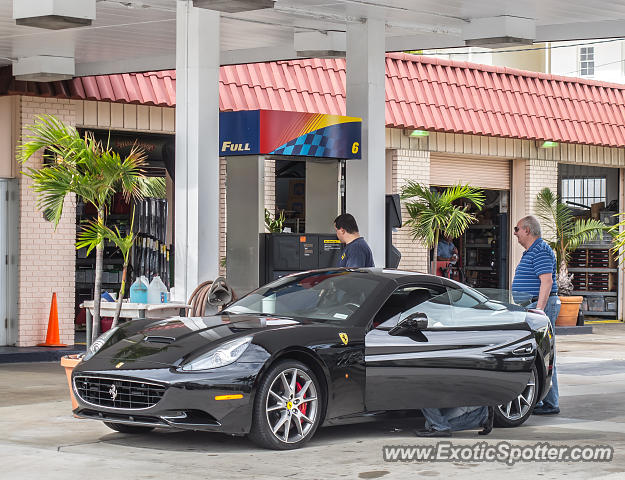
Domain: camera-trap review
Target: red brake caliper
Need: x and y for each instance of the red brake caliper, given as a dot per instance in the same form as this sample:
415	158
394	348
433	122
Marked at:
303	406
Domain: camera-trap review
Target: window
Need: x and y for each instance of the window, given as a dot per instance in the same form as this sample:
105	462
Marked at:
451	307
405	299
329	295
584	191
587	61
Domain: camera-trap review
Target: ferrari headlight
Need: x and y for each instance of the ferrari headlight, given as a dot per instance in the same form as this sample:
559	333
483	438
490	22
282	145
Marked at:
99	343
223	355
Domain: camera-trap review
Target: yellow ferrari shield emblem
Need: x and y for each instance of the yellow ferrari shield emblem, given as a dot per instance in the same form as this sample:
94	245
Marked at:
344	338
119	364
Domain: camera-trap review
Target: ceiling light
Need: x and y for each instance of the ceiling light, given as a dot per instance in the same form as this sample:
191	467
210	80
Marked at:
549	144
233	6
419	133
54	14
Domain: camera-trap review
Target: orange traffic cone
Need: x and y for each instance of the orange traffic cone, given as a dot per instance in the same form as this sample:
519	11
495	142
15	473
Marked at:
52	338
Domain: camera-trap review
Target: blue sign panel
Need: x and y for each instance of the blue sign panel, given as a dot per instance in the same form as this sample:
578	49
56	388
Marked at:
239	133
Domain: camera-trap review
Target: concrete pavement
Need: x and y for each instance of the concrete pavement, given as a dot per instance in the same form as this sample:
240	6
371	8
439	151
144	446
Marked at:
42	440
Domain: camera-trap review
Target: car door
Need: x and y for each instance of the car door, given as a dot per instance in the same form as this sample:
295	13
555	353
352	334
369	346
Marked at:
472	353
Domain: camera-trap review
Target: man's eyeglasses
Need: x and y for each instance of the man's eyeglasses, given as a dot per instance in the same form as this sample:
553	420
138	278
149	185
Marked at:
516	229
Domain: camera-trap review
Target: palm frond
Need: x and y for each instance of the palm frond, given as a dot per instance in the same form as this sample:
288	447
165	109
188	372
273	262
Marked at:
152	187
431	212
585	231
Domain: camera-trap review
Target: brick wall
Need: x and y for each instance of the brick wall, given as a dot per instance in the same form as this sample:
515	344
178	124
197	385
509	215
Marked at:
270	186
538	175
409	165
47	257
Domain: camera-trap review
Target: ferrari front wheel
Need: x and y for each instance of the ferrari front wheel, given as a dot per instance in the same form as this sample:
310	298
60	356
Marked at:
287	407
517	411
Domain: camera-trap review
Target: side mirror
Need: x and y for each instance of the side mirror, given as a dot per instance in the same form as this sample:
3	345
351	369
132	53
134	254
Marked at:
415	322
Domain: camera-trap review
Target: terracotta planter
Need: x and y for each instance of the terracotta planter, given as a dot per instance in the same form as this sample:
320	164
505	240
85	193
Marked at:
569	310
69	362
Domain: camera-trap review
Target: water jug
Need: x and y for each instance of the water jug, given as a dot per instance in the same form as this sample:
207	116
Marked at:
139	291
157	291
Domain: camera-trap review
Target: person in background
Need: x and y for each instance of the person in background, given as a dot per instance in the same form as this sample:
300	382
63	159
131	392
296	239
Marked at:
446	249
535	276
440	422
356	253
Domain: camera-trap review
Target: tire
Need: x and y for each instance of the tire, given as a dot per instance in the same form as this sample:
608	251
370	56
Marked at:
281	407
123	428
517	411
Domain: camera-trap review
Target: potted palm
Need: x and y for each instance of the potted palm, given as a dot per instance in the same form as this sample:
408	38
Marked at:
565	233
433	213
82	166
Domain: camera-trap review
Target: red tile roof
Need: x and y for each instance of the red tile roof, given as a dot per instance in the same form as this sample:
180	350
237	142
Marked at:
421	93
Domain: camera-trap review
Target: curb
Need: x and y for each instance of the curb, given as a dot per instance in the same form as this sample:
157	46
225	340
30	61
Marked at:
581	330
37	354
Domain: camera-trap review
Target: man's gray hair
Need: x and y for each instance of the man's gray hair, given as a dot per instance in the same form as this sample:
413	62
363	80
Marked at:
531	223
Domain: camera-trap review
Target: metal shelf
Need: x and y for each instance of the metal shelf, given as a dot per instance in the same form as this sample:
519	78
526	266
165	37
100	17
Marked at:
590	313
478	245
592	270
111	216
596	294
476	227
91	261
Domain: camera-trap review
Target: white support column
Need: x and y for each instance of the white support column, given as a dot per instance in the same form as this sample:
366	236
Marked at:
197	137
366	178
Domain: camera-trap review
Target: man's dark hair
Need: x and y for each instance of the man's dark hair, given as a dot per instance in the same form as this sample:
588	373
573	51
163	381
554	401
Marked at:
347	222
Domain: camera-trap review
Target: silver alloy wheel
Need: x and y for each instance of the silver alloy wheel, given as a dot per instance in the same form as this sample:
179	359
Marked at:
518	408
291	406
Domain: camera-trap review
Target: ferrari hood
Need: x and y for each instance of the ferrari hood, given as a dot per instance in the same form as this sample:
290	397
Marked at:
166	342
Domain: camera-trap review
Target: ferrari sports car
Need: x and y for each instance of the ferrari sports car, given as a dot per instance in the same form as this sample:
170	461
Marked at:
319	348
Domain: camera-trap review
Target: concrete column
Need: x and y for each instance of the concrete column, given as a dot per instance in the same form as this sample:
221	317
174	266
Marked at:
197	137
366	178
245	192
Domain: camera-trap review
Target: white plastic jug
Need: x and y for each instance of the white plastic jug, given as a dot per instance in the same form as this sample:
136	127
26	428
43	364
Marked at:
157	291
139	291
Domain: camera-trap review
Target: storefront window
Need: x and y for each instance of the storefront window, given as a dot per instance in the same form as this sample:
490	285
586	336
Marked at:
584	191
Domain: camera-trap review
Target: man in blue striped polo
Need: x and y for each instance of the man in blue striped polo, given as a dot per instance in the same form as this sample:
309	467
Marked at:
536	276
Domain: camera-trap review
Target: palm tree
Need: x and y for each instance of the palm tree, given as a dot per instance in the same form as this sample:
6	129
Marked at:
93	234
432	213
566	232
83	166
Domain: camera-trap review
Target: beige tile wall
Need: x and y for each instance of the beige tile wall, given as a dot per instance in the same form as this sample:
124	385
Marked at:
409	165
47	257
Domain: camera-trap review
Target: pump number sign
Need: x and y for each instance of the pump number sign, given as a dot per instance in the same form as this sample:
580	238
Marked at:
262	132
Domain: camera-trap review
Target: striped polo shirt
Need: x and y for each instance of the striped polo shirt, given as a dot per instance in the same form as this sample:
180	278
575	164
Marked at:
536	260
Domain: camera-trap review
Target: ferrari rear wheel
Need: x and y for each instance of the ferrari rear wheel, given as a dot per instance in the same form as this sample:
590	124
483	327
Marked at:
287	408
123	428
517	411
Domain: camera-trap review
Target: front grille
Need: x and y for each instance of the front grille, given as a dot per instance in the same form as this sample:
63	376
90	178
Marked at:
116	393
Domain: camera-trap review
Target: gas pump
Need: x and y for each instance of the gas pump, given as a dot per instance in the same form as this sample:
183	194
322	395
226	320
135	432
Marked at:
248	138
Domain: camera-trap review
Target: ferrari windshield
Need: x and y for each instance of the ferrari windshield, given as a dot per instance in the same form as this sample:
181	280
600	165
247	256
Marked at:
333	295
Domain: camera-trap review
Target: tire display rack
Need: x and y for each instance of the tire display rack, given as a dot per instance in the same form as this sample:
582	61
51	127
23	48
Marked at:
595	277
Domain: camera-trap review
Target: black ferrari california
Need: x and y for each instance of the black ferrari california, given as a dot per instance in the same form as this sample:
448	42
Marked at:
319	348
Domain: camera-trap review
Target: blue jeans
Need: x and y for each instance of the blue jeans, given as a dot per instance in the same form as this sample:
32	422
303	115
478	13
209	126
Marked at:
552	309
454	419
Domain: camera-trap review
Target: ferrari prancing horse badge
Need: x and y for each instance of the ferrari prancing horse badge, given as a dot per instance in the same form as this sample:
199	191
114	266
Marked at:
344	338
